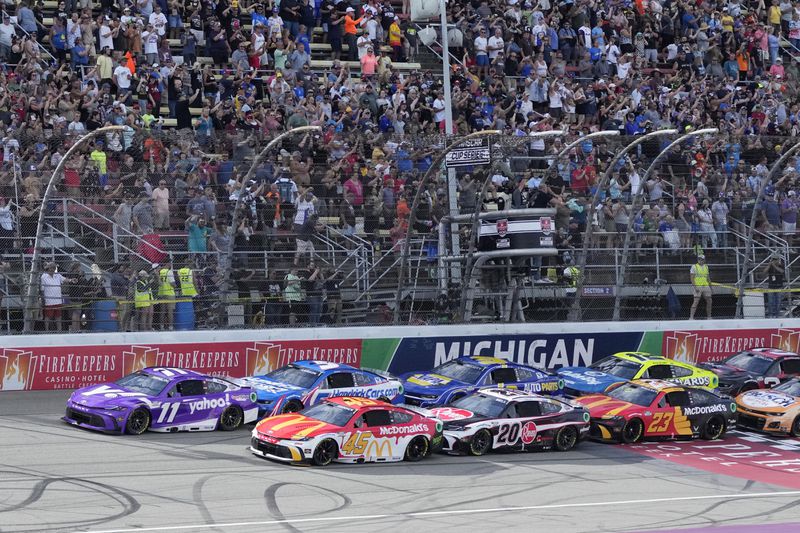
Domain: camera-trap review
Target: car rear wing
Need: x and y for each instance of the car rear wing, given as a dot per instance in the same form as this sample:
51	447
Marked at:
381	373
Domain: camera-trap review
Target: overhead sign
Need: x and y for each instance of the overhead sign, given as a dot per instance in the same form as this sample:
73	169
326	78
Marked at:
468	153
529	232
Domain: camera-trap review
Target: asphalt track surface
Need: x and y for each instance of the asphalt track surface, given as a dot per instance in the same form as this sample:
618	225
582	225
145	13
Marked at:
58	478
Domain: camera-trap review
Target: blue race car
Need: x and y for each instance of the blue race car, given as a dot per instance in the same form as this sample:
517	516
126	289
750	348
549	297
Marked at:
304	383
465	375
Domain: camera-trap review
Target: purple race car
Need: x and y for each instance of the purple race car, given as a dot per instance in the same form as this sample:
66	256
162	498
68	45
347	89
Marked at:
162	399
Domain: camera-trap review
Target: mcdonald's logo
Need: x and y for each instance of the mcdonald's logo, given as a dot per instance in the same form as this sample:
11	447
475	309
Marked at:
379	448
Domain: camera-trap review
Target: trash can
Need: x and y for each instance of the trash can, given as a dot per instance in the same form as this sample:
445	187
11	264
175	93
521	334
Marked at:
184	315
105	316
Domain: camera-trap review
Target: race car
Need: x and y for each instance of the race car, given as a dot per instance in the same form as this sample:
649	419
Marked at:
162	399
758	368
657	409
465	375
771	411
347	430
510	420
623	366
304	383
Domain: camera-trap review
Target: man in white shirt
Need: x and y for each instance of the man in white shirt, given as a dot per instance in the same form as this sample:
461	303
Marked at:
122	78
51	282
150	41
481	53
158	20
363	44
496	44
6	33
438	109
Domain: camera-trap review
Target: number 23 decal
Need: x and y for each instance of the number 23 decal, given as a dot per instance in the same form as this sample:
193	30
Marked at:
508	433
660	422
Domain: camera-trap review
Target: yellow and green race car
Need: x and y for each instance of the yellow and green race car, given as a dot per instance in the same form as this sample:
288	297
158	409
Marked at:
623	366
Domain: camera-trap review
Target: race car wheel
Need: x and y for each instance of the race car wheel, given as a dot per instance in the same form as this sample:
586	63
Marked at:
292	406
325	452
796	427
713	428
481	442
417	449
633	431
231	418
138	421
566	438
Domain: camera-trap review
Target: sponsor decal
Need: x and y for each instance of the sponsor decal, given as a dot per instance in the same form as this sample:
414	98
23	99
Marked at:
264	357
207	404
547	225
705	409
17	370
693	381
703	346
502	227
528	433
404	430
549	386
449	414
379	448
767	399
372	393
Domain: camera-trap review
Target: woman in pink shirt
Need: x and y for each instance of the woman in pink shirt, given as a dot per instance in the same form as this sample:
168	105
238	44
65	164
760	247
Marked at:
369	62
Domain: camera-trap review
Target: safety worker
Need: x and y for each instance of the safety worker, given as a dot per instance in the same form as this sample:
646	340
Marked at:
166	297
186	280
143	301
572	274
701	284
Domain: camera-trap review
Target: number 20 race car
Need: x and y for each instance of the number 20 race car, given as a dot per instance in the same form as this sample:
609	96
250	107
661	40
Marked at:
771	411
162	399
511	420
651	408
347	430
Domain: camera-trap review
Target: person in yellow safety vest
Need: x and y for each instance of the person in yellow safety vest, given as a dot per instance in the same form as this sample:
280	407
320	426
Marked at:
143	301
701	283
572	273
166	296
187	282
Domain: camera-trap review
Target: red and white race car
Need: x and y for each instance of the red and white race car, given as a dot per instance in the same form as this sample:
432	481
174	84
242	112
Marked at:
347	430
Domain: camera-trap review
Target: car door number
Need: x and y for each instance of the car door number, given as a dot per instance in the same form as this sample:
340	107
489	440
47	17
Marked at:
172	408
660	422
508	433
356	444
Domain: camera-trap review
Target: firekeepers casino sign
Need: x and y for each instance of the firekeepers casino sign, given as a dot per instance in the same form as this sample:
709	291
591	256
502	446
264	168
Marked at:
48	368
701	346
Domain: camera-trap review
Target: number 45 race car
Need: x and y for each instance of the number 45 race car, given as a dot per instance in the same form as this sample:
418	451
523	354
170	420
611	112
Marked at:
651	408
512	420
347	430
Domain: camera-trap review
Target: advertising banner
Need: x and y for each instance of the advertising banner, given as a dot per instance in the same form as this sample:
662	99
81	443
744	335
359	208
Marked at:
701	346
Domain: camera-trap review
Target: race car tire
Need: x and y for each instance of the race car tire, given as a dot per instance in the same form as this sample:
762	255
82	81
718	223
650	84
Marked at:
292	406
231	418
325	452
632	431
713	429
480	443
566	438
417	449
138	421
796	427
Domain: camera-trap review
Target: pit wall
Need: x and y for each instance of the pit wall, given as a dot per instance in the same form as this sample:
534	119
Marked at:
68	361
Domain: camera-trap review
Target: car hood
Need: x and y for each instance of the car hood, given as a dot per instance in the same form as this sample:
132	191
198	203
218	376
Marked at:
767	400
726	373
587	380
293	426
428	382
267	389
600	405
108	395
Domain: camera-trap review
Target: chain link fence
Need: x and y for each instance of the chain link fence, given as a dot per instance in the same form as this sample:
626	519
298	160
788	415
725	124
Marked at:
321	233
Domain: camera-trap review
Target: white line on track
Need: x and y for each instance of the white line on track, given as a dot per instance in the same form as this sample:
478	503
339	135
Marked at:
751	495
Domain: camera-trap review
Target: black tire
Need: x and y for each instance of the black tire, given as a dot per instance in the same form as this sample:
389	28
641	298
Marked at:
325	452
231	418
480	443
566	438
292	406
713	429
796	427
632	431
138	421
417	449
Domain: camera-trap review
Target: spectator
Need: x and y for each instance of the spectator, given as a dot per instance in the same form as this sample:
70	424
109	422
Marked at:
51	284
294	296
143	301
161	206
142	215
775	279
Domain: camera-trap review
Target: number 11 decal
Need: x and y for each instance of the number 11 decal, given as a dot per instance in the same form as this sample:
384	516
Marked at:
166	407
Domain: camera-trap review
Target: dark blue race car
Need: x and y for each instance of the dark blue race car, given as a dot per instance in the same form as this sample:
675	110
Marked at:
466	375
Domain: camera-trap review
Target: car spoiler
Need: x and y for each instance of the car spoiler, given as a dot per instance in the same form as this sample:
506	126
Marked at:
381	373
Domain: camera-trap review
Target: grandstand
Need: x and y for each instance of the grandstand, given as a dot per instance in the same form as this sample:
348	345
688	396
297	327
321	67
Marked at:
196	111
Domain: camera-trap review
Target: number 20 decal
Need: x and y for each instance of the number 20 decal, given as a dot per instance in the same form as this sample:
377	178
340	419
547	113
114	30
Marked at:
508	433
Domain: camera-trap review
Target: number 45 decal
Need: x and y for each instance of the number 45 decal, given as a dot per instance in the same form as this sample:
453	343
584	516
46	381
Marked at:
172	408
356	444
660	422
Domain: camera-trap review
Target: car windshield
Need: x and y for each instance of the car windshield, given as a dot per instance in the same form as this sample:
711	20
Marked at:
332	413
481	405
749	361
142	382
791	388
294	375
617	367
635	394
460	371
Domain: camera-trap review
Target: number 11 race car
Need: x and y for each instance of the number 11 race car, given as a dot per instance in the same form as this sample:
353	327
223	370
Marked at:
347	430
650	408
511	420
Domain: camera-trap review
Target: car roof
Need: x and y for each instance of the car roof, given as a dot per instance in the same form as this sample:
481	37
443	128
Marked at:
172	372
321	366
640	357
358	403
511	394
482	360
775	353
658	385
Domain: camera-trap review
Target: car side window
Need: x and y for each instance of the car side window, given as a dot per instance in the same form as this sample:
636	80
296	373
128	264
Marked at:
523	374
791	366
680	372
529	408
399	417
362	379
701	397
377	417
215	387
658	372
773	370
339	380
549	408
502	375
191	387
678	399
